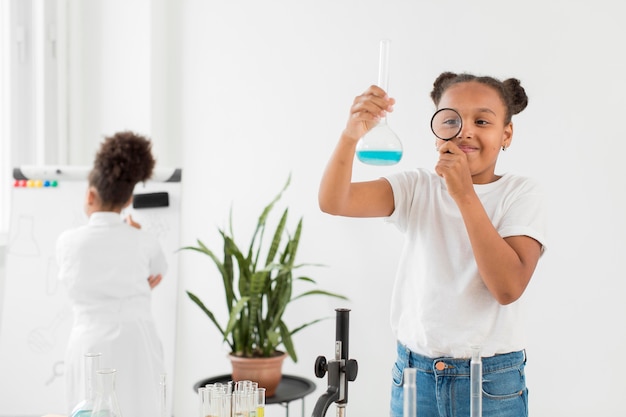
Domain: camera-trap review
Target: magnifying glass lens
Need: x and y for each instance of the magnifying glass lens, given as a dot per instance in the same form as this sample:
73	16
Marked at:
446	124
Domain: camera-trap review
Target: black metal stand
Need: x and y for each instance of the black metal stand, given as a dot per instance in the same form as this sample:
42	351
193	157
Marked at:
340	371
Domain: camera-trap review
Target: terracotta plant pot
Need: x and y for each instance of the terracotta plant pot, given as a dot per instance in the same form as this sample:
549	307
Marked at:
266	371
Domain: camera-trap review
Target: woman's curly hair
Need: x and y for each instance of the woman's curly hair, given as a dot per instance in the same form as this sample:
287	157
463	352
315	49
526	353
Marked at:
123	160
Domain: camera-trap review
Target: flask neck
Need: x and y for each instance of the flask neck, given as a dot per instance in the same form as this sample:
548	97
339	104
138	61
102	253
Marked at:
106	381
105	403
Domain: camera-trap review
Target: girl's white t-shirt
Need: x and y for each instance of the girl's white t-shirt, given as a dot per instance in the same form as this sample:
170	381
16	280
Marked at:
440	306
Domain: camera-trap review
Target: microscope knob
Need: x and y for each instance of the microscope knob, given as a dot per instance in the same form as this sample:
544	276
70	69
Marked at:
352	368
321	366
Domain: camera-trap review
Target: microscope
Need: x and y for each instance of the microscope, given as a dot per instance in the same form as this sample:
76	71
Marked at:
340	370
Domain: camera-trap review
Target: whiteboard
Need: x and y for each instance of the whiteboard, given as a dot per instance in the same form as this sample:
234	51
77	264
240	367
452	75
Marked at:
35	314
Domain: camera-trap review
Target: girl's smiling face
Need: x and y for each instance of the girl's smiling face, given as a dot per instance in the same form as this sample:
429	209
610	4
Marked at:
484	132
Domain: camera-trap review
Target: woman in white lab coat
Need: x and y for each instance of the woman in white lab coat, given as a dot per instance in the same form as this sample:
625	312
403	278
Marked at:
109	267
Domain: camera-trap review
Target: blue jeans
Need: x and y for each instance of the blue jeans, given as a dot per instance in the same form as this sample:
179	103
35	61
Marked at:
443	390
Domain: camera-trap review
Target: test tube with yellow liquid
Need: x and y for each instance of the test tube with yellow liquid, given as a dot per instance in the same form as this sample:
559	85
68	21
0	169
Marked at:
260	402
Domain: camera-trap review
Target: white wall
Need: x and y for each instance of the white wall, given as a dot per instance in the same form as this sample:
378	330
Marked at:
261	89
122	70
266	90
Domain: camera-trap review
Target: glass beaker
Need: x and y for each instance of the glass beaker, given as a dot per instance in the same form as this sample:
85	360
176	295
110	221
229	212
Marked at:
476	383
381	146
85	407
409	388
105	404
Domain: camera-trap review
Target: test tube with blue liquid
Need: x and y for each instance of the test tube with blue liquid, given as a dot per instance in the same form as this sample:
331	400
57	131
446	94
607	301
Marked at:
381	146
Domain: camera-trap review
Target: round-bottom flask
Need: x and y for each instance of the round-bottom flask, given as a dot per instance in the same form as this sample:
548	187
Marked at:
379	146
105	404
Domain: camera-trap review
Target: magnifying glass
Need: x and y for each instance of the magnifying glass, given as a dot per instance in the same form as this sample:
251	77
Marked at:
446	124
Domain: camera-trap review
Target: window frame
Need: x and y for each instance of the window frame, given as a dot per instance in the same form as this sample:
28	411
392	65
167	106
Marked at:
33	98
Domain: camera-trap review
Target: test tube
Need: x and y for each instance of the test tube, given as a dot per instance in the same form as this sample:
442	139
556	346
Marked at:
242	400
476	383
410	392
215	400
201	400
260	402
226	404
163	395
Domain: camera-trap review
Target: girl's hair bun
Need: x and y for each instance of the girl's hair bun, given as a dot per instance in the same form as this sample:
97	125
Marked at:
511	91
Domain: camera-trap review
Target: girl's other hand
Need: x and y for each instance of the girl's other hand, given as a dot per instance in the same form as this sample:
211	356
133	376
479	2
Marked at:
133	223
366	111
452	166
154	280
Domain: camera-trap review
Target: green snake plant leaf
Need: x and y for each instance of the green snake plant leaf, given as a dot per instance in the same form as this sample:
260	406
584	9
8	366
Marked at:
285	335
233	320
275	242
203	249
243	264
305	325
208	312
319	292
260	227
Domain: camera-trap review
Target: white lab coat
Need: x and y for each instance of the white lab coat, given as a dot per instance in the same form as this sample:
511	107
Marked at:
105	266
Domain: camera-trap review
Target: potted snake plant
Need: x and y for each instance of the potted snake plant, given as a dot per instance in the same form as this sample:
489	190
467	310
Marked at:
258	281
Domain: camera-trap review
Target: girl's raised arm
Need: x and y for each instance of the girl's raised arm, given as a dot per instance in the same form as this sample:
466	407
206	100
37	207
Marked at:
338	195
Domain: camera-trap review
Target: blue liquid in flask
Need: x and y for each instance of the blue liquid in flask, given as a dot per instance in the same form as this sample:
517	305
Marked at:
379	157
